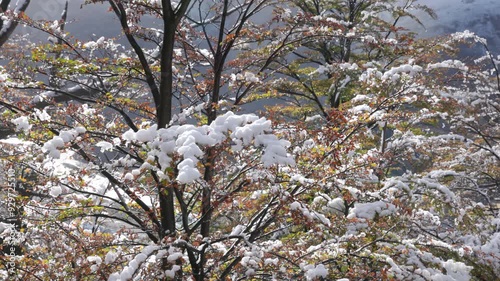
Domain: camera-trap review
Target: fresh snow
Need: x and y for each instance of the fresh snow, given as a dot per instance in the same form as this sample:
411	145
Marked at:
369	210
128	271
187	141
22	124
313	272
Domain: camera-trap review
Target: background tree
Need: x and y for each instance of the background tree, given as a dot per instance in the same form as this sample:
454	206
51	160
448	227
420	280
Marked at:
337	39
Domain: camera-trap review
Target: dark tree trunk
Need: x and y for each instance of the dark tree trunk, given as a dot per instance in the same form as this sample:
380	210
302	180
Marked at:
6	31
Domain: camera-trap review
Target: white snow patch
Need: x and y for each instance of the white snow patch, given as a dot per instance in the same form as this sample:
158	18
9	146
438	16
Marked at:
369	210
22	123
313	272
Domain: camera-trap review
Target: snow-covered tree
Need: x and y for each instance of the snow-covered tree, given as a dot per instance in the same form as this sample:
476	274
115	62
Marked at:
134	158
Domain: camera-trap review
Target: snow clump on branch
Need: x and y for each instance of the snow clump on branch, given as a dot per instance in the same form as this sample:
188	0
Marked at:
187	141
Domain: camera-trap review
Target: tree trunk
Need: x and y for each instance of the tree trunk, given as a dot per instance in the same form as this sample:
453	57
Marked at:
164	115
6	31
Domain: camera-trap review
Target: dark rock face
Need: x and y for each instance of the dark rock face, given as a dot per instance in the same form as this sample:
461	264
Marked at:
479	16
